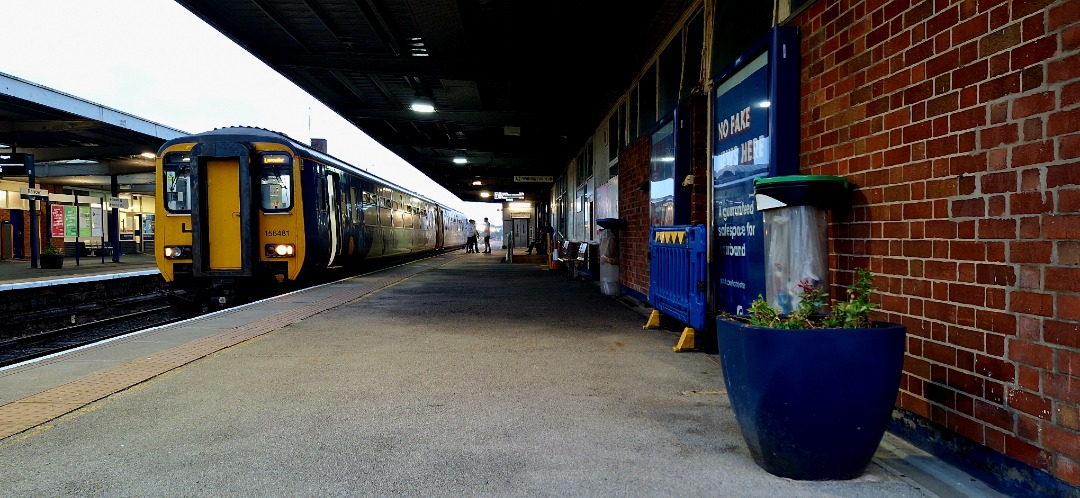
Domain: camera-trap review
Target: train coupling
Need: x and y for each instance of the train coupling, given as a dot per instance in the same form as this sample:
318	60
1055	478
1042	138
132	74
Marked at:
221	294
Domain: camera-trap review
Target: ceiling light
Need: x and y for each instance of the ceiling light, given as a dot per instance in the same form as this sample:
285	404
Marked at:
422	104
485	194
148	155
460	160
477	182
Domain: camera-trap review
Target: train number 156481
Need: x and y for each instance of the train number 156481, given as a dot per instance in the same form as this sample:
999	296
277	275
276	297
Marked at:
276	233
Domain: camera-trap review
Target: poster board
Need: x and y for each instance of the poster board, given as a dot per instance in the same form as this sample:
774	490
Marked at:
755	133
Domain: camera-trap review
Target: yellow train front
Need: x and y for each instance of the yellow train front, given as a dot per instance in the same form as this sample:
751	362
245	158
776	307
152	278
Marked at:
239	208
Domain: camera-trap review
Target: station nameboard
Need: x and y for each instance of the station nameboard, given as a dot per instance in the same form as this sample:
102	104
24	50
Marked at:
16	164
36	194
508	196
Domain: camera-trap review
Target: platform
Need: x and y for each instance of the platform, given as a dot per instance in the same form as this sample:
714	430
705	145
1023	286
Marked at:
15	273
455	375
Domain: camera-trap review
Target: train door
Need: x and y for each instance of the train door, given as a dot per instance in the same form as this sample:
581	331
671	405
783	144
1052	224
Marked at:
223	214
440	229
333	212
222	222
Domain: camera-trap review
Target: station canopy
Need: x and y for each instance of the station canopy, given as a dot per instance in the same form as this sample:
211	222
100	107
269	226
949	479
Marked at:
516	87
77	143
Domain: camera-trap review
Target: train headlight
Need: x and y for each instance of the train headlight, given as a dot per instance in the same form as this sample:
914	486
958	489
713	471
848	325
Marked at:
280	250
177	252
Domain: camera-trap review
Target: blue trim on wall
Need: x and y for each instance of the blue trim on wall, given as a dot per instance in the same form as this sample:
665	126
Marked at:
999	471
635	294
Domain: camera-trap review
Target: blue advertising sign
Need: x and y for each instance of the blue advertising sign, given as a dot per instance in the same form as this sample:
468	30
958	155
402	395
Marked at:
741	142
754	135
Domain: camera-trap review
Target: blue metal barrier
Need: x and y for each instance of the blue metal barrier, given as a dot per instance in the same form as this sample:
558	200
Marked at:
677	273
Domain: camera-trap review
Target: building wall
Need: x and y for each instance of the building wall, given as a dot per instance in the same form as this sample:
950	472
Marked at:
699	160
958	122
634	208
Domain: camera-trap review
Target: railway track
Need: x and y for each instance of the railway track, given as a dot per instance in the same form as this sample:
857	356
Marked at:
121	318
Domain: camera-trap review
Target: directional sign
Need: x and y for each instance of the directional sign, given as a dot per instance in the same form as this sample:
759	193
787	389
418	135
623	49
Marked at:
119	202
541	179
509	196
36	194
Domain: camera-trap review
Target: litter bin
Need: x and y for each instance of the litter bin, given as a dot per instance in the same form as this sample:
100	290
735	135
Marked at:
609	255
795	218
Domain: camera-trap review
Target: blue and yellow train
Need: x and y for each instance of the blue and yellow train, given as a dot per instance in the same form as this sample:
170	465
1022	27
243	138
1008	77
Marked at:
240	207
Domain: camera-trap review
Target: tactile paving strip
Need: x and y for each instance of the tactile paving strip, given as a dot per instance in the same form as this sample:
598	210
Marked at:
37	409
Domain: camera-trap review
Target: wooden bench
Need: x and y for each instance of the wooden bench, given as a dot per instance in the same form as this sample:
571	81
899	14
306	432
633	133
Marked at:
572	257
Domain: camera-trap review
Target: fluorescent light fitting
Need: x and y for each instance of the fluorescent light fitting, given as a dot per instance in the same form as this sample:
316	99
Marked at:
477	182
422	107
148	155
460	160
485	194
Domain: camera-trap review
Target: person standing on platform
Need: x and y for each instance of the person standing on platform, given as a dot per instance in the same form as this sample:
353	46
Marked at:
487	236
470	236
475	237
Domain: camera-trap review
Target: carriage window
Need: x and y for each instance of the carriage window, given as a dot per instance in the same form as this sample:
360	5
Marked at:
276	182
176	167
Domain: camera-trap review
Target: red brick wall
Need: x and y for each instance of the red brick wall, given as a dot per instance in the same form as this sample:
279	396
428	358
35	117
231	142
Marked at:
5	214
634	201
958	122
634	208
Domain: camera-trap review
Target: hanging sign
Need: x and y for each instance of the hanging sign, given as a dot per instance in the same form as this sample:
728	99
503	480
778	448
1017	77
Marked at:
534	179
35	194
16	164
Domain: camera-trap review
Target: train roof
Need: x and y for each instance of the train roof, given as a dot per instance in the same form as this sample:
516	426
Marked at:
252	133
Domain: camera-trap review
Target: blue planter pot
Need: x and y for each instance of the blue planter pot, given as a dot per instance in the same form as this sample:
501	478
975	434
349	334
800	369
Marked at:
812	404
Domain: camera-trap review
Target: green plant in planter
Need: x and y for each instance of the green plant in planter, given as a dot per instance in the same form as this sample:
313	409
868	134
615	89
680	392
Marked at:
50	250
812	391
851	314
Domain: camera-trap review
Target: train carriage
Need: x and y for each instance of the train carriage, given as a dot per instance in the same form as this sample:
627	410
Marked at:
241	206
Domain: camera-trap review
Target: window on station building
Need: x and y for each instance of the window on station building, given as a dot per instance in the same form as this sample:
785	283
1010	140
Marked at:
662	176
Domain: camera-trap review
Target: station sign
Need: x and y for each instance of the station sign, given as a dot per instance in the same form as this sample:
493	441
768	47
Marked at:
119	203
534	179
509	196
16	164
35	194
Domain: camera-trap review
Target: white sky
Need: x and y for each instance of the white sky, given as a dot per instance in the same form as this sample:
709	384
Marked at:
157	61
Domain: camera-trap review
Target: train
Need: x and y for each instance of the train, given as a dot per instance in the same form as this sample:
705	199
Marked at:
240	208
